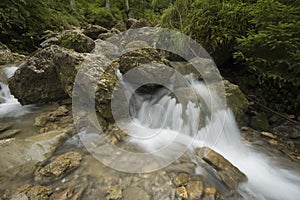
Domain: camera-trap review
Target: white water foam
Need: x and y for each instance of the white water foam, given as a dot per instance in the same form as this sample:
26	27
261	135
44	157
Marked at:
159	125
10	107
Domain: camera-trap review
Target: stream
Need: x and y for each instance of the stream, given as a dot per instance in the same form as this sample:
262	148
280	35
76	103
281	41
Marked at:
166	130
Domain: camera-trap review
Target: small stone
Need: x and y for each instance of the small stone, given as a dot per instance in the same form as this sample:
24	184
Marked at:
28	192
5	126
58	166
181	179
273	142
244	128
210	191
135	193
268	134
114	193
181	192
64	195
194	190
9	133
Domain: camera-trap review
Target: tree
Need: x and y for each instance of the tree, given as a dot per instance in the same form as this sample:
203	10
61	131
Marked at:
107	6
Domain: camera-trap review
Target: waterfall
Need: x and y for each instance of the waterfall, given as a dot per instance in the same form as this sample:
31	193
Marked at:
9	105
159	124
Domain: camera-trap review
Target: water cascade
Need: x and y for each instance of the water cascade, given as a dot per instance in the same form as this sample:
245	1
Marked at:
159	123
9	106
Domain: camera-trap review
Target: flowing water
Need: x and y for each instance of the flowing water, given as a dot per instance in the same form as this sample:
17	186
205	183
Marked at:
165	128
265	179
10	107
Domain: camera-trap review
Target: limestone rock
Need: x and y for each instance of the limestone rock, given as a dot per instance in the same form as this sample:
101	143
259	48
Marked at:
182	193
135	193
71	39
221	168
25	192
138	57
59	166
9	133
93	31
181	179
236	100
8	57
19	156
114	193
139	23
36	80
5	126
194	190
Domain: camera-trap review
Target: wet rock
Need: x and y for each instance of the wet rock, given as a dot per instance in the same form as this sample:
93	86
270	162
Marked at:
36	80
5	126
59	166
138	23
236	100
8	57
194	190
181	193
273	142
63	195
93	31
219	167
115	134
114	193
9	133
135	193
19	156
44	118
181	179
260	122
130	22
120	26
104	36
71	39
268	134
182	167
210	191
138	57
34	192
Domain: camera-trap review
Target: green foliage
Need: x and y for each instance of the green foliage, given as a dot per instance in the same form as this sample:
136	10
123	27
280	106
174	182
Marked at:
272	47
213	23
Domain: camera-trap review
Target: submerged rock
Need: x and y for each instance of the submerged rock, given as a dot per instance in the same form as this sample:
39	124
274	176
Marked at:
25	192
194	190
135	193
59	166
9	133
19	156
218	166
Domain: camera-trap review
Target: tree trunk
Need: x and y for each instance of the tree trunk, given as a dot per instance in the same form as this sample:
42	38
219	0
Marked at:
127	5
107	6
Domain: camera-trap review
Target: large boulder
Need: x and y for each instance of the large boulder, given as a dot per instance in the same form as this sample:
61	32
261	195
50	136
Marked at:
36	80
93	31
71	39
235	98
218	166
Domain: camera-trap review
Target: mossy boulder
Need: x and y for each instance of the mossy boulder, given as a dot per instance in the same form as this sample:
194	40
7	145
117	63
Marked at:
71	39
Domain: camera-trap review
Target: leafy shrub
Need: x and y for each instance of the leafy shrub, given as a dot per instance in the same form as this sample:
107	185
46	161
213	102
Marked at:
271	47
